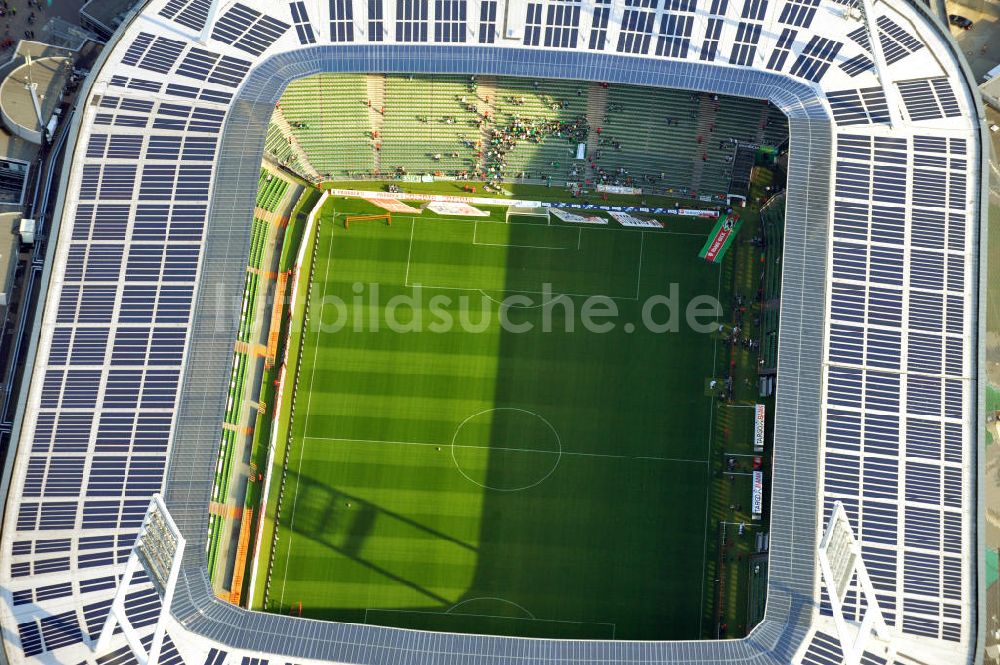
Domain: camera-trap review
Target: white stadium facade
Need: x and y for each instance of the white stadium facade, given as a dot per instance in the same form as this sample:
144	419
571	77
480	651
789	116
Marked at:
879	396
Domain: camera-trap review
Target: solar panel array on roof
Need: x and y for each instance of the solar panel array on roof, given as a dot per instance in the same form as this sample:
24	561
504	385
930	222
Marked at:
190	13
782	49
637	26
865	426
859	64
562	23
896	42
247	29
816	58
856	107
929	99
204	65
156	54
303	28
675	35
799	13
745	45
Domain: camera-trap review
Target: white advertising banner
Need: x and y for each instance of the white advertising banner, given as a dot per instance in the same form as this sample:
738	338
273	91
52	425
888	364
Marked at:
615	189
757	499
407	196
695	212
758	428
456	208
626	219
576	219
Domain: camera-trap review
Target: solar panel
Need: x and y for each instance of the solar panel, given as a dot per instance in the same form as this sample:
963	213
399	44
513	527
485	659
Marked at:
781	49
799	13
189	13
636	30
816	58
300	19
211	67
156	54
896	42
745	45
488	22
248	29
859	64
929	99
31	638
754	9
711	43
847	107
562	23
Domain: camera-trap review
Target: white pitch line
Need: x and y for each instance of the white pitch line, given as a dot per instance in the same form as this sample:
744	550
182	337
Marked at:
409	251
475	230
551	293
638	276
507	449
312	378
488	616
501	244
708	459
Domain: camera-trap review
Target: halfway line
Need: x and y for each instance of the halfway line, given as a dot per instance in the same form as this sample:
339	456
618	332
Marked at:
517	450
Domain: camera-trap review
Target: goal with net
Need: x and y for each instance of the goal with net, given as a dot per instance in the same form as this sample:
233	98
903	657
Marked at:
350	219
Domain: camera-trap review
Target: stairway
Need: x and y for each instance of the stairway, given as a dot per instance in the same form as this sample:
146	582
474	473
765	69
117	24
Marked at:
487	92
762	125
707	108
376	101
597	109
307	169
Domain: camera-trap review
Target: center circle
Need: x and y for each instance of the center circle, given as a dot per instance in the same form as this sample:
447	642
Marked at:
506	449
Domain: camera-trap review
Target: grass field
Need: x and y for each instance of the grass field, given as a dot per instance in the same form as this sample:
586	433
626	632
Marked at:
549	484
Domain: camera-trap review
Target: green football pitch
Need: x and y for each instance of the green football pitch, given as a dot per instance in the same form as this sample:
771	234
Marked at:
475	477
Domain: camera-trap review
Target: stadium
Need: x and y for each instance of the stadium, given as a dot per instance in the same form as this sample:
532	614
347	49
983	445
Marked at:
243	174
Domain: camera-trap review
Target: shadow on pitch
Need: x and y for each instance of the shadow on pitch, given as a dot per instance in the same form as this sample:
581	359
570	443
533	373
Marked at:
343	522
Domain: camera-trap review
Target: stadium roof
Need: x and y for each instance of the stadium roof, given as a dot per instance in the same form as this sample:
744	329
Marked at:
878	398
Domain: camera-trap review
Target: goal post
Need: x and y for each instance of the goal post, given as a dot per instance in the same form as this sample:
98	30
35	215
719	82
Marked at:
367	218
527	211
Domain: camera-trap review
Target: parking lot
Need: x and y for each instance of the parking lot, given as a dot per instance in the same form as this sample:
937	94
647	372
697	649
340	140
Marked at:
981	44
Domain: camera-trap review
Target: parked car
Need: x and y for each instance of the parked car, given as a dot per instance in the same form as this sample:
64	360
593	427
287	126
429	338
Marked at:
960	21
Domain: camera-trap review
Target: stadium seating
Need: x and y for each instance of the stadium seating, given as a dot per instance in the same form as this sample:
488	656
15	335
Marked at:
772	226
329	120
270	192
427	127
549	100
363	126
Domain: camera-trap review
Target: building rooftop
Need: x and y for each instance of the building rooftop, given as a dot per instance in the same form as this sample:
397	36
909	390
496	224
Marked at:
49	74
108	13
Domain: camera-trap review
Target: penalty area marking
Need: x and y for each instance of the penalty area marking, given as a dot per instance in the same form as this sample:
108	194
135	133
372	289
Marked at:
475	231
496	598
555	296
